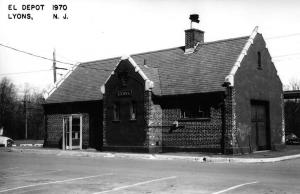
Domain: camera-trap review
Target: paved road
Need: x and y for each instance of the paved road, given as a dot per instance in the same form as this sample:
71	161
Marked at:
33	173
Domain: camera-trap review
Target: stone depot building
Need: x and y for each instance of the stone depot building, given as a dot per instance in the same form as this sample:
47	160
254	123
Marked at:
222	96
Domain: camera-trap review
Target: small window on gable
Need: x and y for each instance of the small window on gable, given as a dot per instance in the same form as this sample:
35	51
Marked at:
195	112
116	111
259	65
133	110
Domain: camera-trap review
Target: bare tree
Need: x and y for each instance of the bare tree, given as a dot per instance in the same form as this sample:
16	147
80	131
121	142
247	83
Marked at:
8	99
18	113
33	112
294	84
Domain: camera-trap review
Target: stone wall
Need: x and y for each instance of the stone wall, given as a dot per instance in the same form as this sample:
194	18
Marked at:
203	134
153	117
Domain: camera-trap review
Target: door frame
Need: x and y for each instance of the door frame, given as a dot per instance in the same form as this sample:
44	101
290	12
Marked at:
266	104
70	146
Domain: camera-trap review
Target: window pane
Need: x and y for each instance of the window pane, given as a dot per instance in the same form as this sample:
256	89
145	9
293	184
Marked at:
133	110
116	111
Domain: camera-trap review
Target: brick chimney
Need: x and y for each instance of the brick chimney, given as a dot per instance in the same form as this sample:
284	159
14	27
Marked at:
192	38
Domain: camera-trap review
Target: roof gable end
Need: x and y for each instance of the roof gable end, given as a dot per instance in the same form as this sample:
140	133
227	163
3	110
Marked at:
229	79
148	83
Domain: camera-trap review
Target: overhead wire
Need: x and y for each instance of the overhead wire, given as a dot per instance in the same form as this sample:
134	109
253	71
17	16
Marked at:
35	55
287	55
25	72
100	69
282	36
49	59
286	59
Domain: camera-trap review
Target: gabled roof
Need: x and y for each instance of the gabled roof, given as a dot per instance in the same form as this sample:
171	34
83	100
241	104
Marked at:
128	60
172	70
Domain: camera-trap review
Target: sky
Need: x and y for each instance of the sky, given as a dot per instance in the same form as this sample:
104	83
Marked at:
98	29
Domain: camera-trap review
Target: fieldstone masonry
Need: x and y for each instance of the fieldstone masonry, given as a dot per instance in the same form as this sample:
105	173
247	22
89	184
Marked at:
153	117
196	134
230	141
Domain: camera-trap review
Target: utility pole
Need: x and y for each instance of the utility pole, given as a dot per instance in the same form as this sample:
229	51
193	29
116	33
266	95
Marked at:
26	116
54	66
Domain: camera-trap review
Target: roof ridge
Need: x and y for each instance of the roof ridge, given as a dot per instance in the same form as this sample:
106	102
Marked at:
224	40
135	54
106	59
160	50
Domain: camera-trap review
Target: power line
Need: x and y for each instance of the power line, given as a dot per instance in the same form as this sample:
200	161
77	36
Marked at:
287	55
64	58
284	60
27	72
42	57
17	73
283	36
35	55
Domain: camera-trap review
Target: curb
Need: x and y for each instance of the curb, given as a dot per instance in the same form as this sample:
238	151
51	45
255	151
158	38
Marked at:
155	156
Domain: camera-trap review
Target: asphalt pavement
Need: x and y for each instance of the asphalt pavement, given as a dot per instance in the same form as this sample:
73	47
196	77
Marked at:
290	152
25	172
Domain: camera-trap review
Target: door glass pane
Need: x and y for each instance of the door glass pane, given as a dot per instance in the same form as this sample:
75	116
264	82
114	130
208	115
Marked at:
66	125
67	131
75	131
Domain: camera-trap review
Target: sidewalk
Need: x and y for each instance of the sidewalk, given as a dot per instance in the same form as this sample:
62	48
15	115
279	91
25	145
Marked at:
290	152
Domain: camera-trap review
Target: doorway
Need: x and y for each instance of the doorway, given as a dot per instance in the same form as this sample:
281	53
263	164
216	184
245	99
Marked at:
260	133
72	132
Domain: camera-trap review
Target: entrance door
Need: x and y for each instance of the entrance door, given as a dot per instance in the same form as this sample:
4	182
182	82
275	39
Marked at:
72	130
259	132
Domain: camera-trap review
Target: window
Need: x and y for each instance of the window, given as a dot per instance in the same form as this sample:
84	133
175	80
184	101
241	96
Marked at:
259	60
195	112
133	110
116	111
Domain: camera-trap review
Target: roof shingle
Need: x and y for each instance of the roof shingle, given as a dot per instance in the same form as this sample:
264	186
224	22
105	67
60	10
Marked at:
172	71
